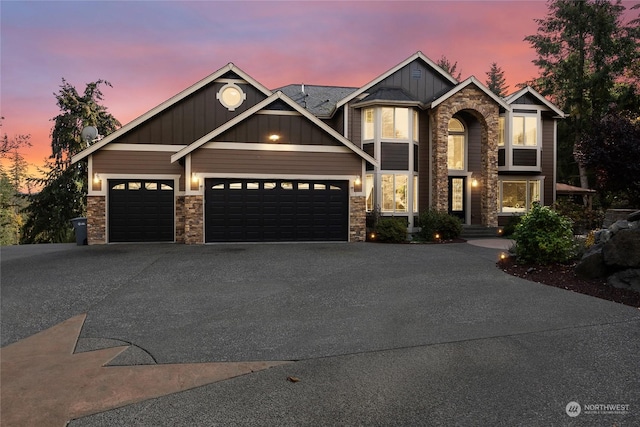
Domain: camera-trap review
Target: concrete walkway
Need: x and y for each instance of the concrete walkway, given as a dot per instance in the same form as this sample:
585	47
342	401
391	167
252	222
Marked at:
319	334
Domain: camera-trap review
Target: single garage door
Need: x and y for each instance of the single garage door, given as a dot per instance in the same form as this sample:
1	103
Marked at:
141	210
239	210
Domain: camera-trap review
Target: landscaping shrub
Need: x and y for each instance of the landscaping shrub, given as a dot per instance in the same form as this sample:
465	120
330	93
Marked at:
512	223
543	237
433	222
391	230
584	218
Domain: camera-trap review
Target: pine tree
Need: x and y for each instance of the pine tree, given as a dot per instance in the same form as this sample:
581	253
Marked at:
496	81
450	68
583	49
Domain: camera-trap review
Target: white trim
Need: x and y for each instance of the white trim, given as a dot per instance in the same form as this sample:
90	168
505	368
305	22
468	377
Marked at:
409	60
259	146
464	84
528	89
168	103
144	147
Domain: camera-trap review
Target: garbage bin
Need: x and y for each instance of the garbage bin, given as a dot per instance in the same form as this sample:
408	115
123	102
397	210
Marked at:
80	228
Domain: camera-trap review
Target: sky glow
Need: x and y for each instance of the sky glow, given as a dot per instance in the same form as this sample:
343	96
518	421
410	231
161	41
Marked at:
151	50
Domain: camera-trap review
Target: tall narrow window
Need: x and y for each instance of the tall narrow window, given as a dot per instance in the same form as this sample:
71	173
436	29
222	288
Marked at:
415	125
369	189
501	131
415	194
456	146
368	124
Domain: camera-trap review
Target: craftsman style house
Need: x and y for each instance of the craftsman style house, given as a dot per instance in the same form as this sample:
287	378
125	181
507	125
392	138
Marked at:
229	160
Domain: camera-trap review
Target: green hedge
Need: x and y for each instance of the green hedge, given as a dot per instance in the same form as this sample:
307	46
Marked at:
433	222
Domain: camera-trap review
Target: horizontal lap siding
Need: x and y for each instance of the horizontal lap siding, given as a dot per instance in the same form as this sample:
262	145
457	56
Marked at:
275	162
136	162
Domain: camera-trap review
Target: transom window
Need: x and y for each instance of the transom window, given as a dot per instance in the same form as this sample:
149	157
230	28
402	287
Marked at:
501	132
525	131
517	196
456	147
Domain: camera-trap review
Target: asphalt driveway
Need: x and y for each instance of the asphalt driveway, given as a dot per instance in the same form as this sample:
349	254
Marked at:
378	334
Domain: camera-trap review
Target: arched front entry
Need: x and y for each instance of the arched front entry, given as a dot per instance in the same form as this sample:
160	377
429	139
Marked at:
475	127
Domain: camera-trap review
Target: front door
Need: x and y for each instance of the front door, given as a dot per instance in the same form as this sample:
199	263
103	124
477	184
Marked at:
457	199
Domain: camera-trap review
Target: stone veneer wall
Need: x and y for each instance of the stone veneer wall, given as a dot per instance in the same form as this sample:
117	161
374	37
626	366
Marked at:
485	109
180	219
193	220
96	220
357	219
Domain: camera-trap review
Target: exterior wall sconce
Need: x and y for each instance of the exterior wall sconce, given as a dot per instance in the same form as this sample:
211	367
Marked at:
274	137
194	178
358	180
474	182
96	178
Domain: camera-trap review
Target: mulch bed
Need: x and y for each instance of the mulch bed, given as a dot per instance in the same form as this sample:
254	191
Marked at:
563	276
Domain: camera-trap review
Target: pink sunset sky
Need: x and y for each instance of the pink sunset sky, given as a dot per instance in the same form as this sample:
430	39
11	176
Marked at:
151	50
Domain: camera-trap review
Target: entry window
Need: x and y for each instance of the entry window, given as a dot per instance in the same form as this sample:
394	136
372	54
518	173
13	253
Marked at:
525	131
394	193
457	194
456	146
395	123
517	196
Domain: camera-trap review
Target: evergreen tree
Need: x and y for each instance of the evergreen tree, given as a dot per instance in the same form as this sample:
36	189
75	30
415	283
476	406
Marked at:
583	49
64	185
13	177
450	68
496	81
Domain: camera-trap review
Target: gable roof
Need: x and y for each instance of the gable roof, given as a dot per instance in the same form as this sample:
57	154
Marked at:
418	55
471	80
531	91
318	100
276	97
230	67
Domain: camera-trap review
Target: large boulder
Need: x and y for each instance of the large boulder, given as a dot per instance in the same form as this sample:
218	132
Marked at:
635	216
626	279
623	249
592	265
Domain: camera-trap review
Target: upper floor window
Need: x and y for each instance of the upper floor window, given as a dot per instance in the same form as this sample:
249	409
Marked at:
415	125
368	131
456	147
525	131
395	123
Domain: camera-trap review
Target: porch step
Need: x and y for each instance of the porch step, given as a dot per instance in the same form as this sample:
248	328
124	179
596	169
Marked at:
479	231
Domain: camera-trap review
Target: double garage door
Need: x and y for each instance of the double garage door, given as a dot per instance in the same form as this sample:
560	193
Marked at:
236	210
249	210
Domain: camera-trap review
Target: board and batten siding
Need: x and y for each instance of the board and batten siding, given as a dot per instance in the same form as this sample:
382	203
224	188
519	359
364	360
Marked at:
417	79
276	163
548	159
191	118
136	162
291	129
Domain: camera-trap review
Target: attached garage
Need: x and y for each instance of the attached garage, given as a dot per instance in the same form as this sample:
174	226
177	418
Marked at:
271	210
141	210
